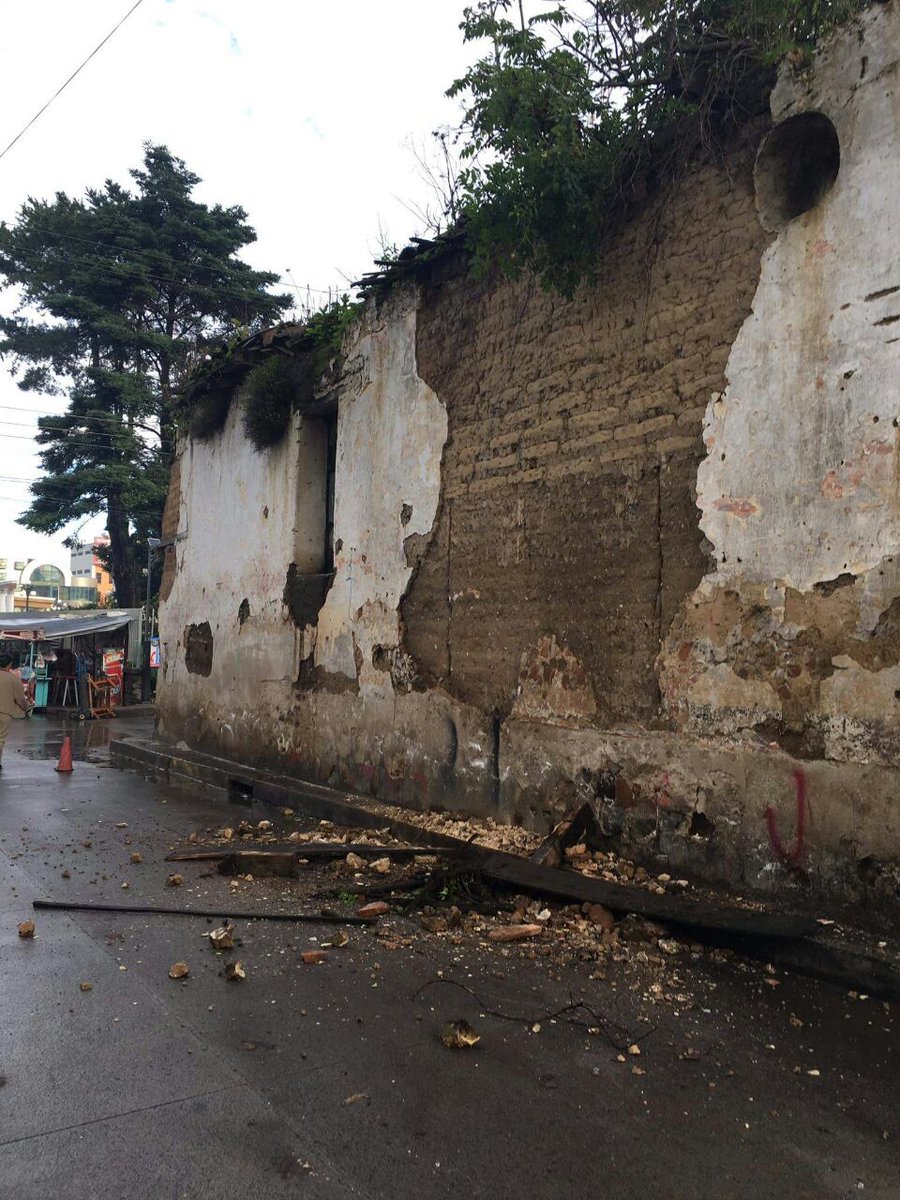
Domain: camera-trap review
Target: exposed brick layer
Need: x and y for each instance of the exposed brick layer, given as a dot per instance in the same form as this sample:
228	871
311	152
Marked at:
574	437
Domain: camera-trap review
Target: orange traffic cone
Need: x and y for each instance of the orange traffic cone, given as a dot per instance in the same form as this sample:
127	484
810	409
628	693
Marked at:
64	766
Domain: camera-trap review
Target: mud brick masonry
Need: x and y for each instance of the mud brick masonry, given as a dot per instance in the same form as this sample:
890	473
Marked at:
639	547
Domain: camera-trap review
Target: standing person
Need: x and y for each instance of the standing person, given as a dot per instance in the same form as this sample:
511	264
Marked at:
13	704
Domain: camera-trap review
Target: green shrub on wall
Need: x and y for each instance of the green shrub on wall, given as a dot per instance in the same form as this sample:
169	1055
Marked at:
268	396
207	416
575	110
286	382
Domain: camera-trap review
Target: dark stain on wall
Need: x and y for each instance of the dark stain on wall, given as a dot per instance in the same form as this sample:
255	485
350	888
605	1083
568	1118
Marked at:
198	649
304	595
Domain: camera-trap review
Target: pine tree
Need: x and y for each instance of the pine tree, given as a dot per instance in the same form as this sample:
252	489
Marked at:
121	292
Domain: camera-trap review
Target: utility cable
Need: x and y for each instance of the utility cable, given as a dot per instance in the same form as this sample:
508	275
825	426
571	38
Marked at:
77	71
138	269
72	237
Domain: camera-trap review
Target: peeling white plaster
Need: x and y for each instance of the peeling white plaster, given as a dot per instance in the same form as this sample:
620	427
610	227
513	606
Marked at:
800	482
391	437
233	551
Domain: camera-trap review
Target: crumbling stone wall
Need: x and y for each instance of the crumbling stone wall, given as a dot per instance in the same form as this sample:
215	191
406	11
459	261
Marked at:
636	547
795	630
568	499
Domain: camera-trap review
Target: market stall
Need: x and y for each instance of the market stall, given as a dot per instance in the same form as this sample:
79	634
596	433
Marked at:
76	662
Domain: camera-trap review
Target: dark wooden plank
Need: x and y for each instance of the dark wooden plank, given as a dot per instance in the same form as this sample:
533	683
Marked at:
342	808
670	909
326	850
551	851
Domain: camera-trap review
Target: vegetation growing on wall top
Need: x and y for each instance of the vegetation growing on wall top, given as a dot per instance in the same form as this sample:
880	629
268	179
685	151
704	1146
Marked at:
571	107
268	397
276	373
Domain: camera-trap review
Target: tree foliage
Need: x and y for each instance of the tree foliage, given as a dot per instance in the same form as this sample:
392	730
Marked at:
119	294
564	110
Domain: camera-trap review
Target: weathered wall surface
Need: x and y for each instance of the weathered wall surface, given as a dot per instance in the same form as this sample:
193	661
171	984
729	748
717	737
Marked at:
568	507
238	511
796	628
636	547
391	433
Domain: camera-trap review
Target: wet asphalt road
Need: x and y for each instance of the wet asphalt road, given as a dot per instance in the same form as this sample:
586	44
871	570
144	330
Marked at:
146	1087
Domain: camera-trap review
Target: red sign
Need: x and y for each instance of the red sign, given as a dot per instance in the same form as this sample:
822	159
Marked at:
113	667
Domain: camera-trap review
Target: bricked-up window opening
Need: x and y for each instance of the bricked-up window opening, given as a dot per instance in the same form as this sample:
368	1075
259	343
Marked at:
330	420
311	573
796	166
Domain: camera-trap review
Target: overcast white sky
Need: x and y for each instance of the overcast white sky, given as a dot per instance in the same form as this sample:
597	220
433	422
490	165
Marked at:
299	110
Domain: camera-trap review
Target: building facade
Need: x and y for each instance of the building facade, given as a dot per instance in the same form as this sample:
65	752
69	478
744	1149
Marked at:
85	563
639	547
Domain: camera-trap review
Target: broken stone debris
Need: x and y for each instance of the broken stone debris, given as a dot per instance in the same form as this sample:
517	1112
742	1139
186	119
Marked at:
174	880
459	1035
26	929
514	933
312	957
222	938
235	971
179	970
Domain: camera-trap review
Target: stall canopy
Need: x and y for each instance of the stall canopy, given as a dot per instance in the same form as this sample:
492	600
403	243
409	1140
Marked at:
35	627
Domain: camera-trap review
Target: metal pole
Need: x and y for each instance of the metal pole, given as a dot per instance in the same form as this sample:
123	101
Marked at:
145	671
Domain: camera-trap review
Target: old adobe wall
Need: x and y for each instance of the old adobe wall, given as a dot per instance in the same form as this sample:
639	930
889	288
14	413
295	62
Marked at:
637	547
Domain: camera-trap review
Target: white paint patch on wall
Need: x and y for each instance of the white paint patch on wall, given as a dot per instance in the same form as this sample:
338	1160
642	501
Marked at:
800	482
239	509
391	435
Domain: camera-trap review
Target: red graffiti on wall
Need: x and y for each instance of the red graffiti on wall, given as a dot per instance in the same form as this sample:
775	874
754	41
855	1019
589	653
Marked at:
792	858
662	800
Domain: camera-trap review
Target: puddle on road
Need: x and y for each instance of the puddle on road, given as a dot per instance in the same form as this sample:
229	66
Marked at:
90	739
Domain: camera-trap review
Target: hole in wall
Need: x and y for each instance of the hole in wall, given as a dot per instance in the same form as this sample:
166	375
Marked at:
243	610
198	649
406	513
868	870
796	166
240	791
382	658
826	587
701	826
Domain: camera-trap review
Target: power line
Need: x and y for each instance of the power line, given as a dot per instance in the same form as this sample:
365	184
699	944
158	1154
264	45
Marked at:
71	237
82	418
115	270
41	449
100	432
77	71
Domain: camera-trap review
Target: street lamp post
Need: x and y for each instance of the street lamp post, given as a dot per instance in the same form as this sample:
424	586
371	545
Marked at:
22	570
152	544
28	589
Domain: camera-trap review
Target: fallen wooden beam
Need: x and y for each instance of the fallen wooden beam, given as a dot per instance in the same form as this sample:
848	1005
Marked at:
551	851
326	850
342	808
217	913
622	898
